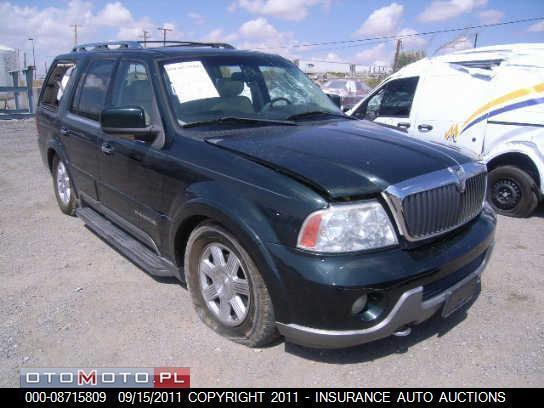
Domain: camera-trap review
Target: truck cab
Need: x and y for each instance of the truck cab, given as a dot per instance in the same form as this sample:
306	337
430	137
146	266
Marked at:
488	100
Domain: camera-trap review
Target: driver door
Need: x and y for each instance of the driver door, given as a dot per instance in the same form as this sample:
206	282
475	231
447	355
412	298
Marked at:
391	104
130	184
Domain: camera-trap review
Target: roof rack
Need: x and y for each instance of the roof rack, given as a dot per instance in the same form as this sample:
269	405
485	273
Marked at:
186	44
115	45
109	45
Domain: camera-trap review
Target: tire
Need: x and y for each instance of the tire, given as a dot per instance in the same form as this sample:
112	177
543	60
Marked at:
64	188
204	270
512	192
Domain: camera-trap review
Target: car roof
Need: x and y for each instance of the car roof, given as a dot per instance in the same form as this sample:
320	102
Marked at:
161	52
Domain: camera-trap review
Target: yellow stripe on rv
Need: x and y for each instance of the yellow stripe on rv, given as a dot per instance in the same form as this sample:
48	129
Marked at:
505	98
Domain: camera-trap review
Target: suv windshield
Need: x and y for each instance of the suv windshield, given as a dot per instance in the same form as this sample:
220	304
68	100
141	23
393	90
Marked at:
261	87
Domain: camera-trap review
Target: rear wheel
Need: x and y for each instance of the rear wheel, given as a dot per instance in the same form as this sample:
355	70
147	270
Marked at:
63	186
226	287
511	192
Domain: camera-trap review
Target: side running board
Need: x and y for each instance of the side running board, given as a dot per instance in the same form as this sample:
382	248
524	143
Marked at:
126	244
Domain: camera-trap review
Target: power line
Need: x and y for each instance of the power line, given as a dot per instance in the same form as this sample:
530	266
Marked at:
395	37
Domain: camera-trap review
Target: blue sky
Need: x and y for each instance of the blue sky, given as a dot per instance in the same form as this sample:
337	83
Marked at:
275	25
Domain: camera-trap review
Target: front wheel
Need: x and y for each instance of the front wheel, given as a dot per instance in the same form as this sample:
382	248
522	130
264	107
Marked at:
226	287
64	189
511	192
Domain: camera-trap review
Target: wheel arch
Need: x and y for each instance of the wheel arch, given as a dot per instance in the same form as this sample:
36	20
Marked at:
51	153
199	210
516	159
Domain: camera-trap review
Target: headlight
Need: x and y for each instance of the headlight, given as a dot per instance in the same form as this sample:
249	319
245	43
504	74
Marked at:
346	228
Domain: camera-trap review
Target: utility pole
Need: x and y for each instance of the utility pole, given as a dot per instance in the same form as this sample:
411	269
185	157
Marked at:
33	56
397	52
145	36
75	26
164	30
475	40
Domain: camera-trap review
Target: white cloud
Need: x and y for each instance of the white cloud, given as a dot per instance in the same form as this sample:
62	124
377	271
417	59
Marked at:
491	16
114	14
411	41
441	10
383	21
196	17
261	35
294	10
218	35
378	55
259	28
134	30
536	27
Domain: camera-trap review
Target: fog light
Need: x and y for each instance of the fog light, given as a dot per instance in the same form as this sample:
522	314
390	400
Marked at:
359	305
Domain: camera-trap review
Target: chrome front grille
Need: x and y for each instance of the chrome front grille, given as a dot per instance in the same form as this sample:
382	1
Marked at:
438	202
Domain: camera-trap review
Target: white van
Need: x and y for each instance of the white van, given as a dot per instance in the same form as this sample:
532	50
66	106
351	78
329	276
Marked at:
490	100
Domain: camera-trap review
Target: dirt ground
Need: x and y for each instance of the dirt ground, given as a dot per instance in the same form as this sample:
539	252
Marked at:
68	300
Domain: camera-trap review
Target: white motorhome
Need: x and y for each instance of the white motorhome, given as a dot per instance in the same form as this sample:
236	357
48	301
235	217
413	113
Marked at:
489	100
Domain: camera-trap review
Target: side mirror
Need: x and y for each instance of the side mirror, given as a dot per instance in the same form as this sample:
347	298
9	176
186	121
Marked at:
127	120
337	99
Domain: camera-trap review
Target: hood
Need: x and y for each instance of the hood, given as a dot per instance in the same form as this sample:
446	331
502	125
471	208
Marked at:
341	158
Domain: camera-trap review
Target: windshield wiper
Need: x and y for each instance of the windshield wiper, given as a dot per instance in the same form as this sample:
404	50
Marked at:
318	113
236	119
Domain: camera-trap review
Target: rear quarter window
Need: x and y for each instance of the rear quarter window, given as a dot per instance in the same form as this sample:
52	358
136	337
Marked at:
57	84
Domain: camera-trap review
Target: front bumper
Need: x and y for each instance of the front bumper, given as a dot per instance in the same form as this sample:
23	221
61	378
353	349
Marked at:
409	285
410	309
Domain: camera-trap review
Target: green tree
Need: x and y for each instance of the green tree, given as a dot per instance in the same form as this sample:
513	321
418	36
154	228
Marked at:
407	57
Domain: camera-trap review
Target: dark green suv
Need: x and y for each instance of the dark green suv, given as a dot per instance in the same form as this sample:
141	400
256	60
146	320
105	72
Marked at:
233	172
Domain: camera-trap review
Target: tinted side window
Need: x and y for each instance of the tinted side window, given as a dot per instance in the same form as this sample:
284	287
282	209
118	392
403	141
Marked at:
93	91
398	96
133	88
56	84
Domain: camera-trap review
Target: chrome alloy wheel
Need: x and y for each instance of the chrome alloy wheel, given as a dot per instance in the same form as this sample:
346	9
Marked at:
224	284
63	184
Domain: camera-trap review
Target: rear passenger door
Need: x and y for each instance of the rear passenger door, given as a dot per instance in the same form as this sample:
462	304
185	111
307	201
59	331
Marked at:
80	128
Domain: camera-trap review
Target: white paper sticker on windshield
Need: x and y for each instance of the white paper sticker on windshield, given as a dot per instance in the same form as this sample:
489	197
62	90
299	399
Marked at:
190	81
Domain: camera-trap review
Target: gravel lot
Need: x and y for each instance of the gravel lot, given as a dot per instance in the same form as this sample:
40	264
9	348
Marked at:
67	299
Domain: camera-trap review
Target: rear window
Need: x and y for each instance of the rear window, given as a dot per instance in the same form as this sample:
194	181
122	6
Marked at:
57	83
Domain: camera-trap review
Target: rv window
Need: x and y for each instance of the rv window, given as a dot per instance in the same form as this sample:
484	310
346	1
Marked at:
398	96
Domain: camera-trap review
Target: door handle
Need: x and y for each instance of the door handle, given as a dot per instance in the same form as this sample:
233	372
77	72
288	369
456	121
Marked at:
424	128
64	131
106	148
403	125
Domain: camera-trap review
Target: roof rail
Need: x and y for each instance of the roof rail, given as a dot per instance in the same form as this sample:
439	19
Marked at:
115	45
109	45
168	43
